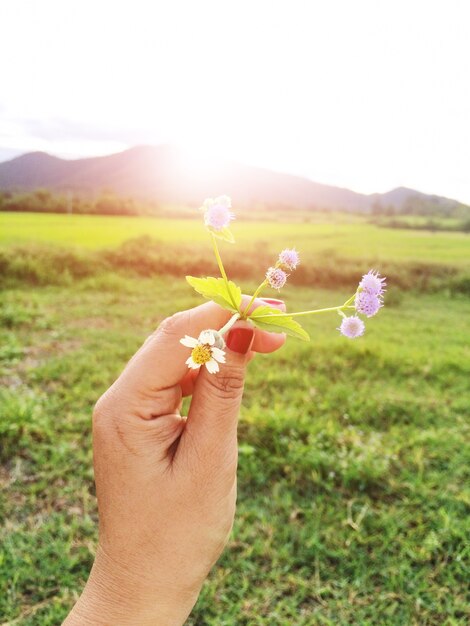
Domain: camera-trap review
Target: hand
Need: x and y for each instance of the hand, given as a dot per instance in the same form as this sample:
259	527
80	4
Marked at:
166	485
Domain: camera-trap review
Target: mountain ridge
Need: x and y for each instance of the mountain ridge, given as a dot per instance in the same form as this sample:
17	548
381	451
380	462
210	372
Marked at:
165	174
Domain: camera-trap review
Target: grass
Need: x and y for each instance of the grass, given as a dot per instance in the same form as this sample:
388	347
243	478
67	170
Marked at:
353	472
37	248
353	481
353	239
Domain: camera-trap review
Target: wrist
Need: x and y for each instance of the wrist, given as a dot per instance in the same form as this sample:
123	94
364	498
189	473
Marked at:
113	595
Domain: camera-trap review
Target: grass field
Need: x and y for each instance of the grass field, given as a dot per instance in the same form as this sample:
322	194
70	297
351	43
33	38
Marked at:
353	239
353	480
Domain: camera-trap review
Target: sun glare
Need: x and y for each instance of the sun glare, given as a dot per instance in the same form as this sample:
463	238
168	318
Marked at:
369	108
199	163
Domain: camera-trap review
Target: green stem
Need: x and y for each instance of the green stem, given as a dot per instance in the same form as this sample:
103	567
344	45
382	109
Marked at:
350	300
222	270
332	308
229	324
257	292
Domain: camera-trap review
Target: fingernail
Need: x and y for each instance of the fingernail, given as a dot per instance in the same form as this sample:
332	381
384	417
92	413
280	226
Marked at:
274	302
240	339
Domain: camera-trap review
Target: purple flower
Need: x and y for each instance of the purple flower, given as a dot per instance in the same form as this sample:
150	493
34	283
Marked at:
373	283
217	213
289	259
352	327
367	303
276	277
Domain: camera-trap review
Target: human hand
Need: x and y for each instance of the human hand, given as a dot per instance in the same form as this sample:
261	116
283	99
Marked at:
166	485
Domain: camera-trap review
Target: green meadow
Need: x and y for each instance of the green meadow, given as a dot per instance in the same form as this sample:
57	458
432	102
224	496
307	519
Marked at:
352	237
353	469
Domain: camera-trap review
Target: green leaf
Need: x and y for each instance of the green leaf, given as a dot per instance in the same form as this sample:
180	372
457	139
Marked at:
274	321
225	234
216	289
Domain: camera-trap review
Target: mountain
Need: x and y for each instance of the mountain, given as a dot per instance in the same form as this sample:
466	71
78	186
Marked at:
401	195
167	175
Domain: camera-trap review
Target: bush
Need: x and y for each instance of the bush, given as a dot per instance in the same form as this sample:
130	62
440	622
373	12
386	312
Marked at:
144	256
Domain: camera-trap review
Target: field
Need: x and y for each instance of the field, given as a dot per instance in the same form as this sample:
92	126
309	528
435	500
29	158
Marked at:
352	238
353	469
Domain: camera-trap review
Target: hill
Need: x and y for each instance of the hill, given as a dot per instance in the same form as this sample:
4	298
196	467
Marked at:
165	174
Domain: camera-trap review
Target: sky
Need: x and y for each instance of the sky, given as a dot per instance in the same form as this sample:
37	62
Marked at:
369	95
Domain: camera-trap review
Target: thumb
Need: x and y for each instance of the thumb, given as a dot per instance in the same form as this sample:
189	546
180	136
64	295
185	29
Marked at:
212	421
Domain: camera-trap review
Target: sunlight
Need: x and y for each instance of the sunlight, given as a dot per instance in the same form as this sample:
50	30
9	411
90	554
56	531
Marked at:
199	163
222	80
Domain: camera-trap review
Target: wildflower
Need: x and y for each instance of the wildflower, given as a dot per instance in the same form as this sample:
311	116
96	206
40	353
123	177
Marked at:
367	303
205	350
289	259
276	277
373	283
217	213
352	327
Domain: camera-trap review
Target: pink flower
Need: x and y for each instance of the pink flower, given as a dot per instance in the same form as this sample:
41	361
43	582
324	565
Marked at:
289	259
367	303
373	283
352	327
217	213
276	277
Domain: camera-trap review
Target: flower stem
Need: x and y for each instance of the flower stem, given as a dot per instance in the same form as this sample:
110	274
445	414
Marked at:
222	270
349	300
257	292
331	308
339	309
229	324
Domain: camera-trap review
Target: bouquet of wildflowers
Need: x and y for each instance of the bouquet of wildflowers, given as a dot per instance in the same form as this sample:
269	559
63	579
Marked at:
208	348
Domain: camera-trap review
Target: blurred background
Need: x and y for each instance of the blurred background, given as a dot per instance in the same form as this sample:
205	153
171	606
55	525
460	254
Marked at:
340	128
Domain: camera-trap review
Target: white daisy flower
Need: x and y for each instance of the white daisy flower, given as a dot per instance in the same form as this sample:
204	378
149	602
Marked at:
205	350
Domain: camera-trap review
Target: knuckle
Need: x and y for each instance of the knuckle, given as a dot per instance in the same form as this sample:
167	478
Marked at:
110	431
102	412
173	324
227	384
99	410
